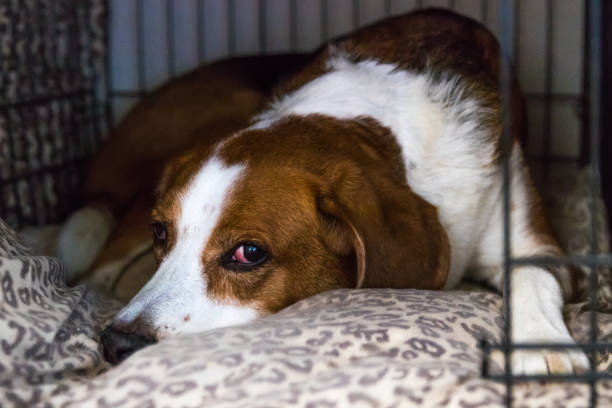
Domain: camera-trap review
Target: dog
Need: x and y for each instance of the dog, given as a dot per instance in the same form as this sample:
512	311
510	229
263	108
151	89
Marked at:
378	164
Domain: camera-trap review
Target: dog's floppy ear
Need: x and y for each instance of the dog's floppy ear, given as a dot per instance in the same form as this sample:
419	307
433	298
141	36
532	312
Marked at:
394	234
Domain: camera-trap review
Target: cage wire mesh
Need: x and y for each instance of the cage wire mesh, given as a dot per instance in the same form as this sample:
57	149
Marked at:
593	260
51	59
60	89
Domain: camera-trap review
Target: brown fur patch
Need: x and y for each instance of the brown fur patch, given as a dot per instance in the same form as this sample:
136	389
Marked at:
196	109
434	41
282	204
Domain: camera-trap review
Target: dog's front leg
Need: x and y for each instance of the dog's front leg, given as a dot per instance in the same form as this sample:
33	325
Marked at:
537	292
536	306
536	317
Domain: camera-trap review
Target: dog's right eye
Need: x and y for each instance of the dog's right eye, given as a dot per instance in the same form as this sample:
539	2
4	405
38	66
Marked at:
244	256
160	233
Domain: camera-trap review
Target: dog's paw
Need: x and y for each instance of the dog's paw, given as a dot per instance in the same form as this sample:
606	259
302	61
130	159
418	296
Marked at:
543	362
81	238
537	318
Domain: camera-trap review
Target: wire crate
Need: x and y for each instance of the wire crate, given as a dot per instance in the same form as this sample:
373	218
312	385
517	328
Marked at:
592	125
98	58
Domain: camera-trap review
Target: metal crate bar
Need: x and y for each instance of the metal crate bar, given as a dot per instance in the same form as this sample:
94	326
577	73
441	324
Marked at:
551	346
484	10
293	17
324	7
262	25
201	30
43	100
594	95
577	378
108	77
593	259
387	8
170	38
586	260
548	67
140	47
507	47
606	106
231	27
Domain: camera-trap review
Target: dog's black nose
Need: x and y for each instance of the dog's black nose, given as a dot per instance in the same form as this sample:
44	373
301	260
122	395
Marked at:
119	345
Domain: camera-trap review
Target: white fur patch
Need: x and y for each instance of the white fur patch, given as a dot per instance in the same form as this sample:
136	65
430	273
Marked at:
536	318
81	239
175	300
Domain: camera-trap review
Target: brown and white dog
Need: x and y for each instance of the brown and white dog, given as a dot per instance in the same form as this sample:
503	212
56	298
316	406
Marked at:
377	165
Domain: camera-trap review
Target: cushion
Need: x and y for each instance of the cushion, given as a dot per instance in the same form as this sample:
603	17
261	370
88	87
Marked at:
370	347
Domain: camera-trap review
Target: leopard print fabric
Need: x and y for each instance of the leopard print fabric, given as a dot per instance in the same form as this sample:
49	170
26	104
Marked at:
568	202
367	348
52	53
48	332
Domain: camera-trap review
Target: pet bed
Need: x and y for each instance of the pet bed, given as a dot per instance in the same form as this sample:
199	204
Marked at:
362	348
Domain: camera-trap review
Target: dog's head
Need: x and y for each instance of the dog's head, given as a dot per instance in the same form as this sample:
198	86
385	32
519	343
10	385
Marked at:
275	215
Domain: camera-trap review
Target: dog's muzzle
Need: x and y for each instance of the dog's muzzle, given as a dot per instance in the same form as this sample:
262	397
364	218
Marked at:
120	345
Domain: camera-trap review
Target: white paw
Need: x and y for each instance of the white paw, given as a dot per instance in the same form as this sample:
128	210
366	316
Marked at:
537	303
543	362
81	238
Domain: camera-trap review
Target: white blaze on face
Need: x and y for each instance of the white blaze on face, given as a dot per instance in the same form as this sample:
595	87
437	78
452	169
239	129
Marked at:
175	300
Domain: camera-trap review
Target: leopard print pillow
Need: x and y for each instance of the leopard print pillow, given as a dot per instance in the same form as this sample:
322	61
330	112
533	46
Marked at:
371	347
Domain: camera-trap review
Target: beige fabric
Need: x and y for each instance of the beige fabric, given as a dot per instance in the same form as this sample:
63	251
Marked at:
362	348
370	348
567	197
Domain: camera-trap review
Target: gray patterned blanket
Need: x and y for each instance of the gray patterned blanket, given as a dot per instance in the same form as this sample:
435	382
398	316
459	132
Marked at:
364	348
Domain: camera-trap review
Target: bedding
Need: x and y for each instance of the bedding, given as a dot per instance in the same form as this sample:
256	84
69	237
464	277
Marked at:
362	348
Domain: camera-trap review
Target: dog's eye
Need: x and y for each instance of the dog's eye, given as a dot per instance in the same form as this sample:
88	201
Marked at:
160	233
243	256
